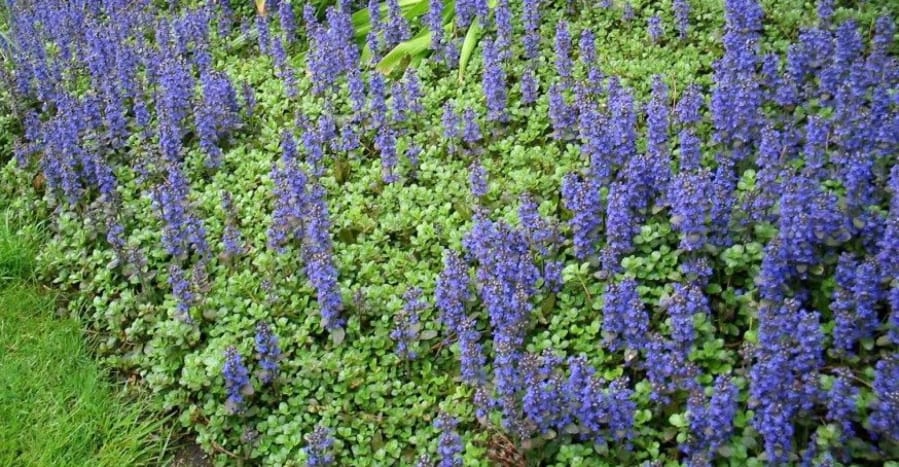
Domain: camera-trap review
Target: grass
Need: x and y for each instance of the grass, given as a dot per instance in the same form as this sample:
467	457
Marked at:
57	405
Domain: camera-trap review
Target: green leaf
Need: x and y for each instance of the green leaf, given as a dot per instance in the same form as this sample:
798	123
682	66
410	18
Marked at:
337	336
401	55
726	451
678	420
471	41
572	429
411	9
6	45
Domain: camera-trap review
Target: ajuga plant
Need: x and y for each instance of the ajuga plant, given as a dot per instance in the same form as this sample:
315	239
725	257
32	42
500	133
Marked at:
637	253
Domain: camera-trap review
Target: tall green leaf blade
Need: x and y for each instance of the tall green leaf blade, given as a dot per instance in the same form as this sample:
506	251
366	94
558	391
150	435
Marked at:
471	41
5	47
400	56
362	26
411	9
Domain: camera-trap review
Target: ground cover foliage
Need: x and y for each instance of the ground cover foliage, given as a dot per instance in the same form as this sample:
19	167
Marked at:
479	233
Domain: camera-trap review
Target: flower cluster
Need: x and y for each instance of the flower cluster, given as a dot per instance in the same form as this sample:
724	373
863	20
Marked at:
682	15
450	444
562	46
655	29
736	98
690	208
452	291
783	379
288	21
472	359
711	421
319	447
434	20
885	416
406	330
841	404
541	232
494	81
217	115
507	279
318	260
231	238
625	321
581	197
301	214
477	180
183	231
332	50
600	411
237	380
267	352
685	302
854	302
667	368
530	17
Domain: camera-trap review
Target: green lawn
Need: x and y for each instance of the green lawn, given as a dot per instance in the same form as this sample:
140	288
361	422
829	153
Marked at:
57	406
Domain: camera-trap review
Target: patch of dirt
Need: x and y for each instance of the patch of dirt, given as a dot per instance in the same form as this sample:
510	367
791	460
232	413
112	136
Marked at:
189	454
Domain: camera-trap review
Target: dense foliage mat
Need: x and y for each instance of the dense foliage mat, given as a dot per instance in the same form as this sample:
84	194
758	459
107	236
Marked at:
479	232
